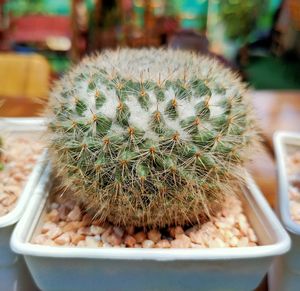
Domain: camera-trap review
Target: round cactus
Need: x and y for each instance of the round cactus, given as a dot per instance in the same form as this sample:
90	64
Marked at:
150	137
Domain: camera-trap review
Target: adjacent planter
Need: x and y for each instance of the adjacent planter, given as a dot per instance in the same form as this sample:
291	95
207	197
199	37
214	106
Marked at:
71	268
12	267
285	272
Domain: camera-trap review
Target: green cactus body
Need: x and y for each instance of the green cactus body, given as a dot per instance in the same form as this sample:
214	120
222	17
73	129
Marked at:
149	137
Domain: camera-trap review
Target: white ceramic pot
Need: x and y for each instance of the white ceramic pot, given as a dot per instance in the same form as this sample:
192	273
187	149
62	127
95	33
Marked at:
74	268
285	272
12	267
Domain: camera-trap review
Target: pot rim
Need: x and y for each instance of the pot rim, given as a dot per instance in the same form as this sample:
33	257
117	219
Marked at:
24	229
281	139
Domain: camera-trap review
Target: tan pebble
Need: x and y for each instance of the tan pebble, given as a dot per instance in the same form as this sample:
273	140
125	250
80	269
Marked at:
9	200
181	241
114	240
209	227
3	210
72	226
233	241
12	189
243	242
3	196
244	226
63	239
91	242
175	231
252	235
196	246
130	230
227	235
96	229
221	224
197	237
53	215
54	205
118	231
48	226
84	231
62	223
87	220
235	231
191	229
81	243
62	212
230	220
70	204
148	243
137	246
54	233
177	243
106	234
216	243
106	245
129	241
163	244
75	214
140	237
154	235
40	239
252	244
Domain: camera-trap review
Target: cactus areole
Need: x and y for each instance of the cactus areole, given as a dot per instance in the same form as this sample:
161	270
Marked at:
149	137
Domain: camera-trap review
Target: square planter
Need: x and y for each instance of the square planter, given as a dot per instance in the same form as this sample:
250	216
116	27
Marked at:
285	272
12	267
75	268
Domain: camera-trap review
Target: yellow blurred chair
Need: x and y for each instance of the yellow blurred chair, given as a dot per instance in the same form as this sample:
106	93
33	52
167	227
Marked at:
24	76
24	81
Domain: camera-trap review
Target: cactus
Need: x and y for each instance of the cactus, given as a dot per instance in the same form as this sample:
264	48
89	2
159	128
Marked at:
150	137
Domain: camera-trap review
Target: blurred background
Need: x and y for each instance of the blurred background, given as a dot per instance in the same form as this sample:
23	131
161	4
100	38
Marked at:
40	39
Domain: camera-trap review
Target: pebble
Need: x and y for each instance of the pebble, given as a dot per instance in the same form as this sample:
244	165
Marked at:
140	237
91	242
163	244
75	214
147	243
130	241
181	241
19	156
154	235
293	169
63	239
67	229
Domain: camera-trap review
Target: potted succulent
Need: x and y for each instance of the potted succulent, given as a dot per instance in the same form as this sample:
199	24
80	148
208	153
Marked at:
21	160
148	148
284	274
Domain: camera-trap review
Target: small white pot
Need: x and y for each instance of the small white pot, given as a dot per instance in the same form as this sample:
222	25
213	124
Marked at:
75	268
12	267
285	272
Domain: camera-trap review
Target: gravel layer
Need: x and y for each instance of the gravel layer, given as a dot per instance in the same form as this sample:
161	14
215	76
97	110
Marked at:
65	224
293	169
19	156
